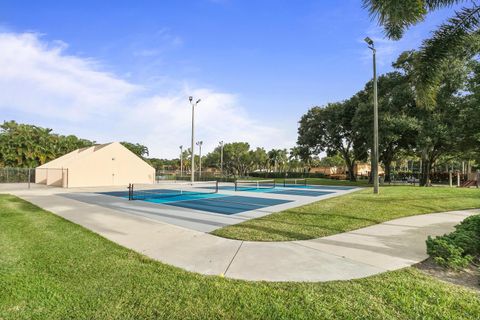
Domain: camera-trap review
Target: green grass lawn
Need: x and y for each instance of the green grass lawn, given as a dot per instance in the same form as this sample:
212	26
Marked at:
352	211
53	269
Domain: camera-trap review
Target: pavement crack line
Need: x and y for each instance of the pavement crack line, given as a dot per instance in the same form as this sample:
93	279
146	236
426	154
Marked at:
233	258
341	256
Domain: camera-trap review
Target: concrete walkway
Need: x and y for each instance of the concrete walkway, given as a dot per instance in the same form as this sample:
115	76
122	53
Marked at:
368	251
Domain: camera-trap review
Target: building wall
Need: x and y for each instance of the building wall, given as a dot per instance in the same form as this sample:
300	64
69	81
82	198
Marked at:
43	172
112	165
56	177
324	170
41	175
361	169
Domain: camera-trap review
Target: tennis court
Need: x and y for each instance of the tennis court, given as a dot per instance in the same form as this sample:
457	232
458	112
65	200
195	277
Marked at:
280	190
294	187
207	206
202	196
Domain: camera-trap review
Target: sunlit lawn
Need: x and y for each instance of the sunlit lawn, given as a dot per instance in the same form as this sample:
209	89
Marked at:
53	269
352	211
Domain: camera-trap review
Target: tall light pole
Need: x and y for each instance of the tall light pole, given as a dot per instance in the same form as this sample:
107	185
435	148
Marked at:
194	104
181	161
371	46
199	144
221	157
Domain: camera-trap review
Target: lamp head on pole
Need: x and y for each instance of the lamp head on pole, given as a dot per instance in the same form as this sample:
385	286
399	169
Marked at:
370	43
198	101
190	98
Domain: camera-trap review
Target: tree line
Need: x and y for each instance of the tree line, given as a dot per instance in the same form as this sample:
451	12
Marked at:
29	146
448	127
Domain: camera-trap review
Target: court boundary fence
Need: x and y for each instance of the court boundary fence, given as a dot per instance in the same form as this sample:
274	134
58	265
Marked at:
17	175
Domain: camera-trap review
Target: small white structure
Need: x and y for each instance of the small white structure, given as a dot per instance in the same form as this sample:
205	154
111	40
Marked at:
108	164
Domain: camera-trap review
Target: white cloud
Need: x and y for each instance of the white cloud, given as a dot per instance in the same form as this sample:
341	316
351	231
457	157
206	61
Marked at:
37	78
41	84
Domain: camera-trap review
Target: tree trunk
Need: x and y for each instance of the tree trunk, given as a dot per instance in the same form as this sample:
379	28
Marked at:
351	170
388	170
426	170
370	175
350	165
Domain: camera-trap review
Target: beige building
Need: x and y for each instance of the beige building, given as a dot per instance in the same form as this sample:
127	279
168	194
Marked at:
325	170
361	169
108	164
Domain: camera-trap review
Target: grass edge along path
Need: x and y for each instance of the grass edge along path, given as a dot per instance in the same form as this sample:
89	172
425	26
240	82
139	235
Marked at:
350	212
51	268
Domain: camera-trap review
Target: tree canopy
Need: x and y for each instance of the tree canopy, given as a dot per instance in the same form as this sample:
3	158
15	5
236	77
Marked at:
447	129
28	146
23	145
457	38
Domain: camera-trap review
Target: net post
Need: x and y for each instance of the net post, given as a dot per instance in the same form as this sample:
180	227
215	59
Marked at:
305	182
130	191
216	186
284	183
236	185
29	177
274	183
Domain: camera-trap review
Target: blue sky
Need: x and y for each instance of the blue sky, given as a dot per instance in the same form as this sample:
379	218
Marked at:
121	70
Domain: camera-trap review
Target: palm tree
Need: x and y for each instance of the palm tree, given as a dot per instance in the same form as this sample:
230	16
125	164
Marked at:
457	38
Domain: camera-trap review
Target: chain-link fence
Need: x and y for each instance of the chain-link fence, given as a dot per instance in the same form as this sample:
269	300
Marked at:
17	175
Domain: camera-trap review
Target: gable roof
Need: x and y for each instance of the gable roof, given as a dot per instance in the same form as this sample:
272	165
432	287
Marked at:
63	161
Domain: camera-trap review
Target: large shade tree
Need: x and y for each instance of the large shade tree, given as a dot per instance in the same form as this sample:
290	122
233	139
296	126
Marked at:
469	116
238	158
440	127
330	129
396	107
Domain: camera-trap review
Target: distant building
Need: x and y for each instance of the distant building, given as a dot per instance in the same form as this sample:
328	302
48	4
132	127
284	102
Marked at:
325	170
108	164
361	169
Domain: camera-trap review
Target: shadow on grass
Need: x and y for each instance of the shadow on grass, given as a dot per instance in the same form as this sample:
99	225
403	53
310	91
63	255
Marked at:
295	230
321	216
273	234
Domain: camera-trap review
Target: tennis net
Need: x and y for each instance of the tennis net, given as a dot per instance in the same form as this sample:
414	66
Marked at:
301	182
245	185
170	189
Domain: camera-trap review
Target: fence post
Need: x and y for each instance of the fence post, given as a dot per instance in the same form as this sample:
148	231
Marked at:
29	177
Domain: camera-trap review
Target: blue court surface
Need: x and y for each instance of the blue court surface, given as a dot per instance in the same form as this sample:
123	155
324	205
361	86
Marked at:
303	192
166	198
228	204
210	202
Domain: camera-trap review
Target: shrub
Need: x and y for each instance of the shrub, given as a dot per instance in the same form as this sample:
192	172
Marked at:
457	249
447	254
